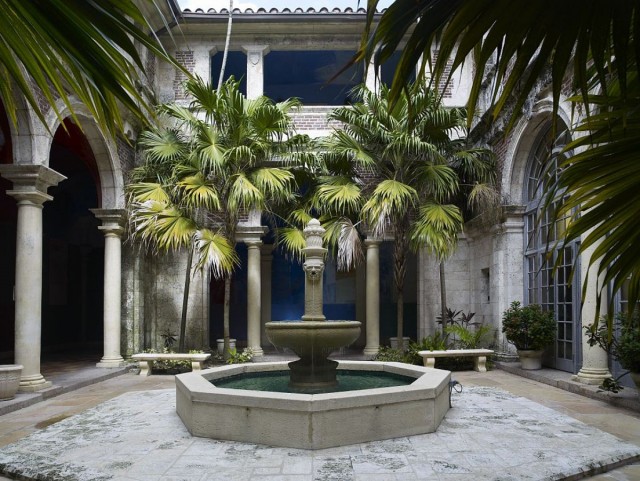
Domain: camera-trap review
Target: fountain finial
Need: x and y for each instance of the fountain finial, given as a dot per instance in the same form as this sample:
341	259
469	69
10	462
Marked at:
313	268
315	338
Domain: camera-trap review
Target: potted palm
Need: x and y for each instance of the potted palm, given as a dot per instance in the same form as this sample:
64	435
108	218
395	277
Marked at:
530	330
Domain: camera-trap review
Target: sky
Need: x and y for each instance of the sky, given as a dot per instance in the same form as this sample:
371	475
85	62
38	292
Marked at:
279	4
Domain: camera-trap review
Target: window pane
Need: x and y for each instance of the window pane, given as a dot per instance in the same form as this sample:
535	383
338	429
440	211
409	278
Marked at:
308	75
388	69
236	66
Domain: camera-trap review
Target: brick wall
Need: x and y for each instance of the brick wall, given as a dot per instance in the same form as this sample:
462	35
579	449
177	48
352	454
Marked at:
314	118
126	154
187	60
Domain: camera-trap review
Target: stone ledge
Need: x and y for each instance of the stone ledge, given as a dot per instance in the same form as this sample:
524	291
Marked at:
629	398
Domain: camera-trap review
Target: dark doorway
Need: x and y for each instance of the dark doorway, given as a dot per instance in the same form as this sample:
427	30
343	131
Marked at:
8	213
73	254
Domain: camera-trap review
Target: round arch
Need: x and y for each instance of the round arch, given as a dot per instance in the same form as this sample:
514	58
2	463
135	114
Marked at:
524	137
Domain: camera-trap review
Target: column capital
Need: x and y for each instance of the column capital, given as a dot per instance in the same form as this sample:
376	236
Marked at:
250	234
30	182
259	49
113	220
372	242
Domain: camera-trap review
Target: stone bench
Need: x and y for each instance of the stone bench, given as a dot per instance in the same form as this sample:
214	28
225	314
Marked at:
147	359
480	355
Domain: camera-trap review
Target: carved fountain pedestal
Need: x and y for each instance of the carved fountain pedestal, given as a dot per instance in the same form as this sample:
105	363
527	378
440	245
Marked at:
313	338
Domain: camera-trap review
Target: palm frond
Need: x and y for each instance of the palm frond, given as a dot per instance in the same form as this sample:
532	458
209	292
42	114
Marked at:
215	253
65	48
437	227
198	192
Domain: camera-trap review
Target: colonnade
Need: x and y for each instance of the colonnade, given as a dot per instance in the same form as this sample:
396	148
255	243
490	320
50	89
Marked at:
30	185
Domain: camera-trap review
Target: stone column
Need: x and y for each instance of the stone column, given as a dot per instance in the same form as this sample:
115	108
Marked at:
507	273
253	296
113	227
255	69
373	297
250	234
266	262
30	184
595	366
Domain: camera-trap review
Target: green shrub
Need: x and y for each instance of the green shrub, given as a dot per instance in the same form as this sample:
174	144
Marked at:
236	357
528	327
466	338
389	354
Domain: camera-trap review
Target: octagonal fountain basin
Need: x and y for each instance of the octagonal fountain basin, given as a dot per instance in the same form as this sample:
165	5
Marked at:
312	421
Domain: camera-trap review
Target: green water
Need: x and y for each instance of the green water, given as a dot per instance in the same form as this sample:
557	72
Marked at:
278	381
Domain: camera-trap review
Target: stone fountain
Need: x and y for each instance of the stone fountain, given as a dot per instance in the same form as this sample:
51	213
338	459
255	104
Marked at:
313	338
312	415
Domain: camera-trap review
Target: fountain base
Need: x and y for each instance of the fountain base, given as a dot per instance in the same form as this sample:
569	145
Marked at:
312	421
305	375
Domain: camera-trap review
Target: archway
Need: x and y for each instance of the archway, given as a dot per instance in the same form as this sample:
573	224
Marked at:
73	248
8	219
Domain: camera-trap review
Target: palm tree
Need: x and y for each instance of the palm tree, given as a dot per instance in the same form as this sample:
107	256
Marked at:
396	177
212	163
593	44
41	56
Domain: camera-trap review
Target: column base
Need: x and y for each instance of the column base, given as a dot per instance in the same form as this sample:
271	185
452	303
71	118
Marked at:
591	376
33	383
110	362
257	351
371	350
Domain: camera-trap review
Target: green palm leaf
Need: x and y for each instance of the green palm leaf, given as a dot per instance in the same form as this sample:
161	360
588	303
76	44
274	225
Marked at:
77	48
215	253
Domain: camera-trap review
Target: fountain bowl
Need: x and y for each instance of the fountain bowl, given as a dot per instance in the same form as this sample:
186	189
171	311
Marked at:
312	421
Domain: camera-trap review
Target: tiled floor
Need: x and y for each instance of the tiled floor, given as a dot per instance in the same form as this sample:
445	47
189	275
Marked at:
620	422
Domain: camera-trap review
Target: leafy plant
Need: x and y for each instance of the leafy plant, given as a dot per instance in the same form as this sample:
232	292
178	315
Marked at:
466	338
528	327
243	357
169	338
624	347
389	354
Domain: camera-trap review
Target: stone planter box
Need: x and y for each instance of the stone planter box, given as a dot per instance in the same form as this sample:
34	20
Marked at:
9	380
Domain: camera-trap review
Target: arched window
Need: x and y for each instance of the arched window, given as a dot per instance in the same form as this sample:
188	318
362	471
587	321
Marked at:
552	290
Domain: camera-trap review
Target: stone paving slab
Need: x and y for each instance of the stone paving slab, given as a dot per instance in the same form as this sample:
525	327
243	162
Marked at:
489	434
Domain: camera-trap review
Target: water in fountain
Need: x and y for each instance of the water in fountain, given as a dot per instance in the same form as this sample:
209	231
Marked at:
313	338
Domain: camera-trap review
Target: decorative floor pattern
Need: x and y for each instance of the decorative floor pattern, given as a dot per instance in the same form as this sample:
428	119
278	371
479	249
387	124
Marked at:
487	435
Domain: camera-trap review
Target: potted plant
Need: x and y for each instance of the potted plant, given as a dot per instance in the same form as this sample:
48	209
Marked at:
625	347
530	330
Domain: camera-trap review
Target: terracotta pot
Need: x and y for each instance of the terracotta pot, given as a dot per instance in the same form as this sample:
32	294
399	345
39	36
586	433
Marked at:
9	380
530	360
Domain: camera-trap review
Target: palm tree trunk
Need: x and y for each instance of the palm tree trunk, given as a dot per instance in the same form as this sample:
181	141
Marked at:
399	270
225	315
443	297
226	48
185	302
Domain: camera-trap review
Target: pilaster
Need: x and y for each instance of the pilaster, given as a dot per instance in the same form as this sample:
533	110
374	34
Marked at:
255	69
